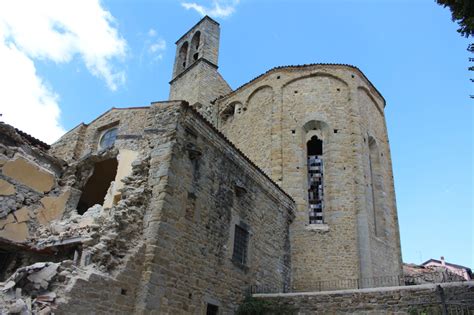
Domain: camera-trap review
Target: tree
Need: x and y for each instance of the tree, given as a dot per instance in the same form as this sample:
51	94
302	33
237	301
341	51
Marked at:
462	11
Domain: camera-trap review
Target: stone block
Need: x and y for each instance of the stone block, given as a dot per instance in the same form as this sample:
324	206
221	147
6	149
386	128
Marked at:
23	215
9	219
53	207
29	174
17	232
6	188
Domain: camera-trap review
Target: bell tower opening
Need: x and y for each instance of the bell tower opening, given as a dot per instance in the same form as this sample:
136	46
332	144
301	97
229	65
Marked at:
182	56
315	180
199	42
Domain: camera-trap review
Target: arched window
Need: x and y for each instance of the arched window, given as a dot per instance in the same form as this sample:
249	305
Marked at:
183	53
376	186
314	149
108	138
195	42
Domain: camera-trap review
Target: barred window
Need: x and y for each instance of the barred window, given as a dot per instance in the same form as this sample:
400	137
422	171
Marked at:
315	180
241	239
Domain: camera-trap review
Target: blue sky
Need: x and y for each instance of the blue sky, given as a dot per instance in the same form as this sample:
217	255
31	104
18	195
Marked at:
66	64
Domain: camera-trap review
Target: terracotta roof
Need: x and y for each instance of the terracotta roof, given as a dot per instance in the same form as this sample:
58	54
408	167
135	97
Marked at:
32	140
289	67
17	137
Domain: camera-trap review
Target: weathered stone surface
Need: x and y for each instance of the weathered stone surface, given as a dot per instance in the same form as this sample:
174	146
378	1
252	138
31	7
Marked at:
6	188
16	232
52	208
23	215
29	174
271	119
455	297
9	219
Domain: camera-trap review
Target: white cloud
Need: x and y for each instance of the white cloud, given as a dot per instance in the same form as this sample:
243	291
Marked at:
155	47
158	46
25	101
152	32
219	8
55	30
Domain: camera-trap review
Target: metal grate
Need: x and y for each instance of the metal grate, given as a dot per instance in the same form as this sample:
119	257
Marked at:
315	191
241	237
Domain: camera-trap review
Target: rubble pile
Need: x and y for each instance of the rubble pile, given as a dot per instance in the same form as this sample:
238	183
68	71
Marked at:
30	290
107	245
60	244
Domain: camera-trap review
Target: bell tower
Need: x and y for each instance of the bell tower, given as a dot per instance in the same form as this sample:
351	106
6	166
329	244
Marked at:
195	77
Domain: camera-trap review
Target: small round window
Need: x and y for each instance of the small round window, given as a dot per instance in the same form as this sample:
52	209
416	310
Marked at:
108	138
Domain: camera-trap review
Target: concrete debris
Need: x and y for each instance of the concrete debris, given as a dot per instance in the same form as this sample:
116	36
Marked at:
19	307
29	282
41	278
10	284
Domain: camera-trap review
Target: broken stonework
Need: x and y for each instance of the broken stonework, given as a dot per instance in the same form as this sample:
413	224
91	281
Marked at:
6	188
17	232
29	174
52	207
26	291
163	209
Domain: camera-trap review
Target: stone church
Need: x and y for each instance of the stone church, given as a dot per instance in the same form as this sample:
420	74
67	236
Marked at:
184	206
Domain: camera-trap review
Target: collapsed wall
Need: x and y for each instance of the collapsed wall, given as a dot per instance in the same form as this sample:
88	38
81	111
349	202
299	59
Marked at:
154	211
48	245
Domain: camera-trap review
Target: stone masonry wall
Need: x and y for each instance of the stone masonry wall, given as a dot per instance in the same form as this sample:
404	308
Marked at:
199	85
208	189
93	292
30	192
382	220
208	46
66	147
454	298
271	118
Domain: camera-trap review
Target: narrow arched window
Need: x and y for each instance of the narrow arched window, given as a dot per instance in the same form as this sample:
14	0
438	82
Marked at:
315	179
183	53
195	42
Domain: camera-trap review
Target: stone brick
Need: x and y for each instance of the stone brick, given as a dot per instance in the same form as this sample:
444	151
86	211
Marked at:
29	174
52	208
16	232
23	215
6	188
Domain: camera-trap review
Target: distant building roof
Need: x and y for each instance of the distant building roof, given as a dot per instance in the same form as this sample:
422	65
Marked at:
469	271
